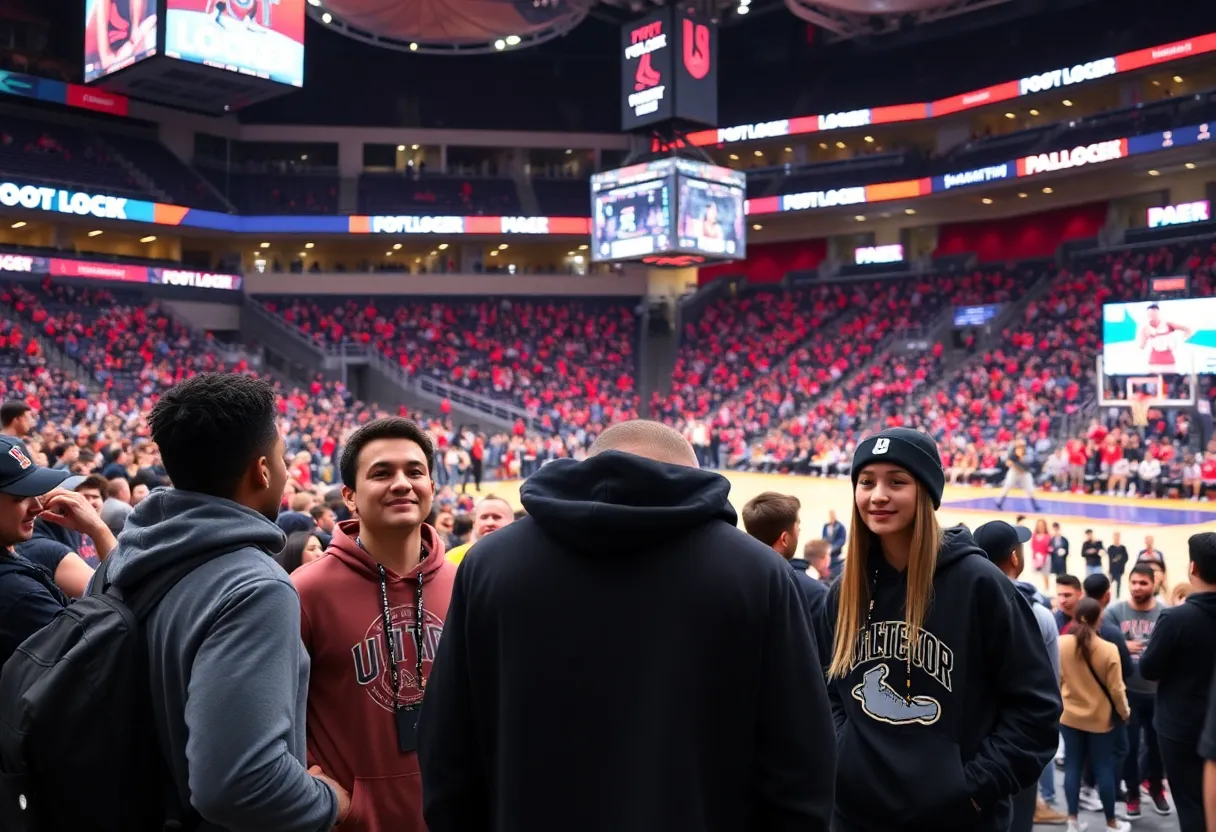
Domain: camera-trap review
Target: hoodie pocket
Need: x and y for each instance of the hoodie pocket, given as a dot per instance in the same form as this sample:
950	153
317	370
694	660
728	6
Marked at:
385	804
891	771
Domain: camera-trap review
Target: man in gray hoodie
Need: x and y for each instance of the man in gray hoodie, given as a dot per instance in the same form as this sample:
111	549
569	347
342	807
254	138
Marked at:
229	673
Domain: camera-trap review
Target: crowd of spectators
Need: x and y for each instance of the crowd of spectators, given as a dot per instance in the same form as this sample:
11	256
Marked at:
570	364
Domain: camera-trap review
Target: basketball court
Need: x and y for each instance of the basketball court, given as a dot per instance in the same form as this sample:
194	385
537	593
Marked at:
1170	522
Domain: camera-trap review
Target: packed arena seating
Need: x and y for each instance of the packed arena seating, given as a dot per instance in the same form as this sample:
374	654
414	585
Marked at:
430	193
569	362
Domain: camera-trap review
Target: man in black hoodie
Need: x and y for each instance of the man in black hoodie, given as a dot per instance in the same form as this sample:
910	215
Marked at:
1181	657
624	658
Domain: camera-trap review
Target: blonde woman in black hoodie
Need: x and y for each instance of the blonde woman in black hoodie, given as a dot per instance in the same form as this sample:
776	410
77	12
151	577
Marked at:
939	737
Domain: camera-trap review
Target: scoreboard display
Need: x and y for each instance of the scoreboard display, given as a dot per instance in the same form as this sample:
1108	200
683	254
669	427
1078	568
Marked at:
668	207
669	70
259	38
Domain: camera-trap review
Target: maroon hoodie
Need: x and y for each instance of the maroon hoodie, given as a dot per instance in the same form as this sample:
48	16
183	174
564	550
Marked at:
351	730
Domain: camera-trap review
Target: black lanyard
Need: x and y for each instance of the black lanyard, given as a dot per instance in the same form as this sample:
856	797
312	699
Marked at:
391	642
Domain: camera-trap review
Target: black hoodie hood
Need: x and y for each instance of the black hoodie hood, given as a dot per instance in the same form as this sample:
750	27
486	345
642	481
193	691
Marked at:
585	505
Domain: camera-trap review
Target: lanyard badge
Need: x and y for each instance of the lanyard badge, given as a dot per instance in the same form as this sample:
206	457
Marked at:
405	716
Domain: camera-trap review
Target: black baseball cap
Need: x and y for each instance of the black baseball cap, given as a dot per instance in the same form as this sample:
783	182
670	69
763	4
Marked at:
21	477
998	539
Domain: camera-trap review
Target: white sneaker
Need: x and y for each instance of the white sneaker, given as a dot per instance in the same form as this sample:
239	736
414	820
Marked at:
1074	826
1089	800
1120	826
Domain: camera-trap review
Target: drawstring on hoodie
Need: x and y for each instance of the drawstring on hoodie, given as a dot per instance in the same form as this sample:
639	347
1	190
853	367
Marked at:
907	640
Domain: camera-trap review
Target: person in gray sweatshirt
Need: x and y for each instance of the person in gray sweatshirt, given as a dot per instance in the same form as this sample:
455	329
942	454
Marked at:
229	673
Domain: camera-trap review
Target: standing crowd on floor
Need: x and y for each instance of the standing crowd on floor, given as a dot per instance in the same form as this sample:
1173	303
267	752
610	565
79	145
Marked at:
619	655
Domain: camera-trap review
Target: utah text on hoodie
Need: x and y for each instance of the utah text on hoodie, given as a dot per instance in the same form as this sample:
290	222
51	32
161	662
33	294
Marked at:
624	658
351	732
980	720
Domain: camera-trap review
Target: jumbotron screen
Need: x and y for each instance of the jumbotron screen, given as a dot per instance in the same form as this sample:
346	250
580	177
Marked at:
117	35
668	207
261	38
1157	337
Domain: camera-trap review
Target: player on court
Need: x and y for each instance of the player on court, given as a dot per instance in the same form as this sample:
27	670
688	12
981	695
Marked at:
1157	338
1019	474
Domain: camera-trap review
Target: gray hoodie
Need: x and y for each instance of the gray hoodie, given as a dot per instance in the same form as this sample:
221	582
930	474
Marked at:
229	672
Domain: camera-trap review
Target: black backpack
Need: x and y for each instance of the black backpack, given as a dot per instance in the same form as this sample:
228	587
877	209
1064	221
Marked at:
79	749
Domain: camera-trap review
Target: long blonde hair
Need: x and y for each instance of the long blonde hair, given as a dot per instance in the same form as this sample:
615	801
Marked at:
855	585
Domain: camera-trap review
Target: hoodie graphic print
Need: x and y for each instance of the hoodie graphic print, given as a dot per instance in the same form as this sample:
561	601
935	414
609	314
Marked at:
351	729
967	714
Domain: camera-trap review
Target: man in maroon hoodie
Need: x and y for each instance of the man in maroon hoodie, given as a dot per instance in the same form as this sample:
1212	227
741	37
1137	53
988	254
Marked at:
362	602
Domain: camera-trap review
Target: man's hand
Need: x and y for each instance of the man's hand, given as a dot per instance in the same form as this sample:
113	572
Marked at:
72	511
339	792
1135	647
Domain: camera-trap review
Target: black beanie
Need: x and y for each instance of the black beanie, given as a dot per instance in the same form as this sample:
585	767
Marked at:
909	449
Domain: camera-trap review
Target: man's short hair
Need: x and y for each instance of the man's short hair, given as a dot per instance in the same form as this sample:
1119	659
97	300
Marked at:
96	481
816	550
1096	586
1055	525
767	515
114	487
494	498
300	501
11	411
1202	549
1145	570
318	511
389	427
462	525
641	437
211	428
1070	581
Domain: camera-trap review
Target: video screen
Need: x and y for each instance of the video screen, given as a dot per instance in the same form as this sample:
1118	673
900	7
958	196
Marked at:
261	38
1159	337
632	220
711	218
117	33
975	315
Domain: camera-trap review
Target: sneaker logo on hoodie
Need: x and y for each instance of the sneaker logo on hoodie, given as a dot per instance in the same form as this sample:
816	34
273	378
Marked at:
880	701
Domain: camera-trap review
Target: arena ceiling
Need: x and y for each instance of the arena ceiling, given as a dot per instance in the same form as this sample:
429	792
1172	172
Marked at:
453	27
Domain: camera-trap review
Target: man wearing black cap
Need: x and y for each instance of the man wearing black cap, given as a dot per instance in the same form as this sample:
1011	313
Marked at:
29	598
1005	546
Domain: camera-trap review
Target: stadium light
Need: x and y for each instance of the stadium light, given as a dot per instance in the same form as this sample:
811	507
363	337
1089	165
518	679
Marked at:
327	18
860	217
97	232
1034	112
309	245
413	47
502	247
757	227
741	10
1154	173
987	200
149	239
443	246
314	2
910	211
583	247
396	246
1190	165
1048	190
19	224
265	245
500	44
1067	103
400	148
512	40
1177	79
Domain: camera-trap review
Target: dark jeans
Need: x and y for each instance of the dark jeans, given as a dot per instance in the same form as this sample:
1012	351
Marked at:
1184	768
1142	707
1099	749
1024	804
